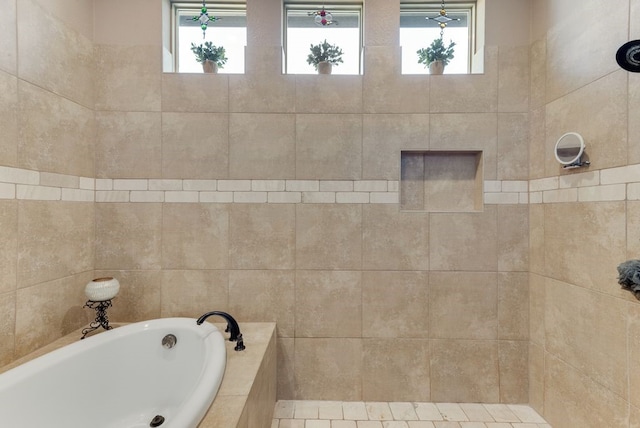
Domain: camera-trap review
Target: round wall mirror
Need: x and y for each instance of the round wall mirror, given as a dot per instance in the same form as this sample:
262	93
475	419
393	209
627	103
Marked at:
569	148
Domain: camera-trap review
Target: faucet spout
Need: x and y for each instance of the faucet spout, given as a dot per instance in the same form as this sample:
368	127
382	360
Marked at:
232	327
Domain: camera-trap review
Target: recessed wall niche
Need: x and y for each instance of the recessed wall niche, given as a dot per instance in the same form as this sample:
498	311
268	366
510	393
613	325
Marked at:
441	181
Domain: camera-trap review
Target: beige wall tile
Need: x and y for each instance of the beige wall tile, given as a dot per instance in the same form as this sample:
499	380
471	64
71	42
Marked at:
139	295
394	240
633	320
9	40
264	296
472	93
195	93
513	238
463	241
286	374
324	94
536	238
128	236
120	22
328	369
537	62
513	146
589	261
7	327
9	248
8	118
633	230
513	305
328	236
262	146
462	131
536	377
464	371
395	305
536	309
55	240
195	236
384	136
513	78
56	135
412	183
395	370
514	371
634	111
570	392
328	304
568	42
191	293
453	182
130	78
385	90
634	417
329	146
537	144
195	145
128	145
262	93
598	112
383	19
262	236
463	305
55	57
59	302
588	329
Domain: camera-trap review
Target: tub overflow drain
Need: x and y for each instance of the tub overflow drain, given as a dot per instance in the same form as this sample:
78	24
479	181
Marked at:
156	421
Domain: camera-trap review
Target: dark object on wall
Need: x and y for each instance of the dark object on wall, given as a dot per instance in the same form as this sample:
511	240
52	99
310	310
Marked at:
629	276
628	56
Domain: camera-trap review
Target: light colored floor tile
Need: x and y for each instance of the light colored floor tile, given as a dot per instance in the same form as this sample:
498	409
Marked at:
428	412
330	410
451	412
369	424
526	414
498	425
501	413
343	424
476	412
421	424
379	411
403	411
524	425
317	423
354	411
291	423
446	424
284	409
306	410
275	423
472	425
394	424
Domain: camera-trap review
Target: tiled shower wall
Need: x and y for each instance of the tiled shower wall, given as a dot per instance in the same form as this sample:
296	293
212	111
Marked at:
47	128
585	331
360	291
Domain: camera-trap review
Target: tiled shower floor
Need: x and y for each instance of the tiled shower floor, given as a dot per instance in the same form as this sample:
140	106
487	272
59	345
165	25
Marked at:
358	414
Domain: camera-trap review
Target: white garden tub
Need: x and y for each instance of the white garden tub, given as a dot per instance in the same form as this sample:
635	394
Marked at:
122	378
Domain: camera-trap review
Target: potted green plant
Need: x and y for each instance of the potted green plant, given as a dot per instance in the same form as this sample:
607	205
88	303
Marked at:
210	56
323	56
436	56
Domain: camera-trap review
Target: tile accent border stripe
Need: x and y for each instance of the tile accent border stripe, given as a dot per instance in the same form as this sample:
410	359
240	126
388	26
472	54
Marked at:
613	184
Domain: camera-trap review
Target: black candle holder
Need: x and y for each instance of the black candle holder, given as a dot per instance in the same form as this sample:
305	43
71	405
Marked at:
101	316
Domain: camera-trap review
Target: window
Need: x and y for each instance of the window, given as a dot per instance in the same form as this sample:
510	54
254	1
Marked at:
301	32
417	32
229	31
